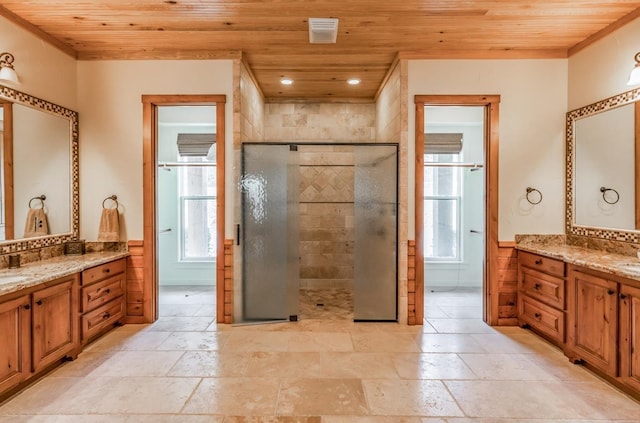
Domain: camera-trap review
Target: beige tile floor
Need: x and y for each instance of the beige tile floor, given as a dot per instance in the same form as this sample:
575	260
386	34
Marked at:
187	369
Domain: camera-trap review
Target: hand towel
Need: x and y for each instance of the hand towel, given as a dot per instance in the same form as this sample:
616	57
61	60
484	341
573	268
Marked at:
36	224
109	230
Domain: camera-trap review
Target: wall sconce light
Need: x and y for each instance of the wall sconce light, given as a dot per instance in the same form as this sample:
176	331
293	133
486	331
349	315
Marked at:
634	77
7	72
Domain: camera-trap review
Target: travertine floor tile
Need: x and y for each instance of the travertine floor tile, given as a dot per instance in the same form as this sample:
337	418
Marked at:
409	398
211	364
320	341
284	365
450	343
138	363
505	367
234	397
460	326
321	396
191	341
41	397
83	365
357	365
371	419
258	341
432	366
186	324
385	342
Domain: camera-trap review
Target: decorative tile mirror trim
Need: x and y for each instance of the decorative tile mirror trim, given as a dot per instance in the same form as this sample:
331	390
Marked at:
586	231
11	246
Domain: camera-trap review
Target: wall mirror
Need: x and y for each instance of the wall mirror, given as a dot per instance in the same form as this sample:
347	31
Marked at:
603	164
39	170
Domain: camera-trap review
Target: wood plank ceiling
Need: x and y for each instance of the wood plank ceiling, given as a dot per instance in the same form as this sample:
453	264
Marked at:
273	34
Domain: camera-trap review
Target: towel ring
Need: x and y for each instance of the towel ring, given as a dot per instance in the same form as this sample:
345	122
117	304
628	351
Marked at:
113	198
41	198
604	191
529	191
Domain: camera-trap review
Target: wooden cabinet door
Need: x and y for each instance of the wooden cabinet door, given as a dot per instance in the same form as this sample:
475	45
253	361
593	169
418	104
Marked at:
630	336
593	328
15	341
55	322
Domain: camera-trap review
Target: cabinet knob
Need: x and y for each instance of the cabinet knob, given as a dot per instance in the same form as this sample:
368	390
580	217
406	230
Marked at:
27	306
537	315
107	290
106	315
610	291
623	296
538	261
107	270
537	286
39	302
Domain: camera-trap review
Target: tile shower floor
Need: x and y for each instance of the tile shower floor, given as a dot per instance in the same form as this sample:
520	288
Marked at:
185	368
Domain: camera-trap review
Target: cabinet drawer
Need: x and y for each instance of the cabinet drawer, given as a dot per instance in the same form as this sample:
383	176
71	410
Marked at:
103	271
548	289
97	320
541	263
102	292
543	318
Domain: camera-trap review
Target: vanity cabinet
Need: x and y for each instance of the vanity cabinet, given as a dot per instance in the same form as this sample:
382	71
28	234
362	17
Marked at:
592	319
630	336
55	321
103	301
15	342
541	299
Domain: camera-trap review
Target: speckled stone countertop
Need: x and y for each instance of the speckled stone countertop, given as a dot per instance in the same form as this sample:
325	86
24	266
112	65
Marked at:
616	264
32	274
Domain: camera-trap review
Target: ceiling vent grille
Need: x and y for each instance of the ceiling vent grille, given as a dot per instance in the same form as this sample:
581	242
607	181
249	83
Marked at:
323	30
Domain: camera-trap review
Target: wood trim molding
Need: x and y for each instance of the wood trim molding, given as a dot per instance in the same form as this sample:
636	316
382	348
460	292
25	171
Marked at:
604	32
150	104
7	147
252	76
491	281
506	244
637	161
392	68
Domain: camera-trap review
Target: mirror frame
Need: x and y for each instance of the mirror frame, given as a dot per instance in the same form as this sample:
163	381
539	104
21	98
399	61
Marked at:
24	244
571	227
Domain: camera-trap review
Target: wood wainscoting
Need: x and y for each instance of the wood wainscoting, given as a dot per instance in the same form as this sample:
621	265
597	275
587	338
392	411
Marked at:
135	283
227	309
411	282
506	286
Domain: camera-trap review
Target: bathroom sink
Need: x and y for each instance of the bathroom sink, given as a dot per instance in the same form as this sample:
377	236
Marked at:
12	279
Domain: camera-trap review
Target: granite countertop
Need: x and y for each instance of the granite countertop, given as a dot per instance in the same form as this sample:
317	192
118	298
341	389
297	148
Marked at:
35	273
616	264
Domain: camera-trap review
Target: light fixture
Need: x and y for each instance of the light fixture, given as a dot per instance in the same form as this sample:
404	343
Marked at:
353	81
7	72
634	77
286	81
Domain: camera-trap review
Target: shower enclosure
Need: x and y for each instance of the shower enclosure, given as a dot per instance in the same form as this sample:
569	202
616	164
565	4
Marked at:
271	227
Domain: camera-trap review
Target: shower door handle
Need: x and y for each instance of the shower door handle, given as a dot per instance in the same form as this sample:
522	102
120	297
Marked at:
164	231
473	231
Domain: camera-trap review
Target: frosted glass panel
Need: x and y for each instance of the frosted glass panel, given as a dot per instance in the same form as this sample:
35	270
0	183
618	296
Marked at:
268	268
375	270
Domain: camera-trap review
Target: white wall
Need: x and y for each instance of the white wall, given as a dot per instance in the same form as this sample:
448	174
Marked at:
44	71
602	69
110	108
532	125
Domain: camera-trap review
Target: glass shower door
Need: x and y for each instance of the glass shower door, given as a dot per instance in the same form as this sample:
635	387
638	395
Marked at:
270	233
375	247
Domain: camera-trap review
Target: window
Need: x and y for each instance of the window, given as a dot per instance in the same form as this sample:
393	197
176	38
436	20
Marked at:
197	189
442	195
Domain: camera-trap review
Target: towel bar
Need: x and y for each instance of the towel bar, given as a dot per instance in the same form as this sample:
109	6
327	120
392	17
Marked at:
113	198
41	198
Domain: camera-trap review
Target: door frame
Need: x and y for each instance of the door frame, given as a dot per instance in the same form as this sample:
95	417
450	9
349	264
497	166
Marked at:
490	283
150	104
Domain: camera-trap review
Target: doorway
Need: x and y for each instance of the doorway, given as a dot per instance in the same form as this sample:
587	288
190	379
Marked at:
440	208
191	204
319	232
453	212
186	210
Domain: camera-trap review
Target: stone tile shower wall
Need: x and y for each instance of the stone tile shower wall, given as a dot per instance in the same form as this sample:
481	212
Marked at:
326	217
320	122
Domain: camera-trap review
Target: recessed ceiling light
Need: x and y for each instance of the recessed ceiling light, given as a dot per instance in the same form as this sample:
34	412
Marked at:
353	81
286	81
